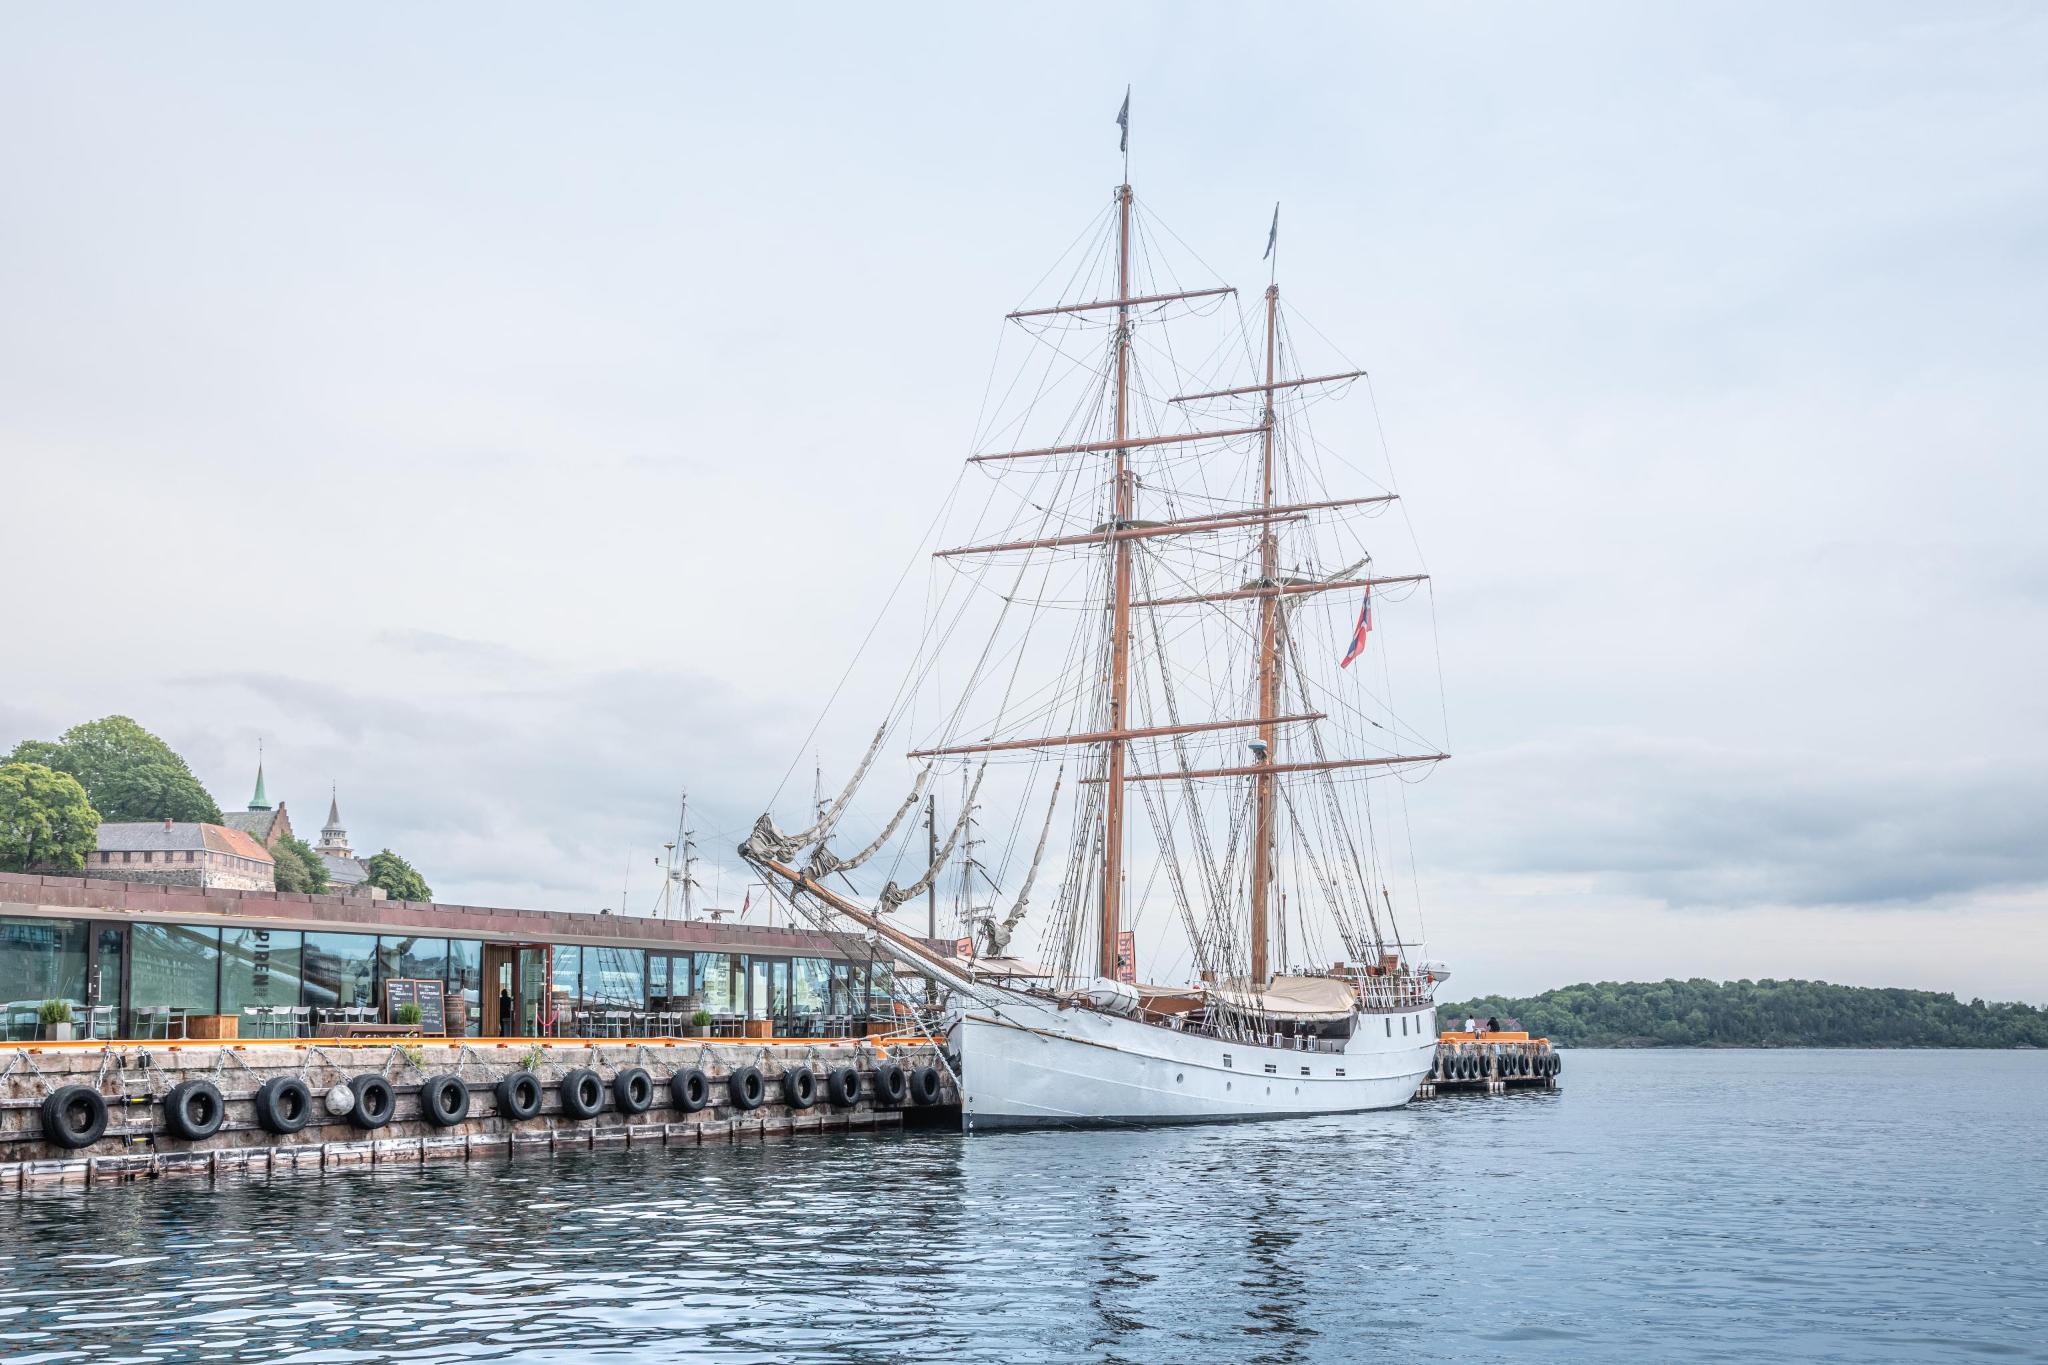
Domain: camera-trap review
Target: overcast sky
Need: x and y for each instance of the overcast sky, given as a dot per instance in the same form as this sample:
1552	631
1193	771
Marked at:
515	415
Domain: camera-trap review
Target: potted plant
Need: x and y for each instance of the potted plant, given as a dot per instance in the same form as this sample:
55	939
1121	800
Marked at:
700	1024
56	1018
407	1014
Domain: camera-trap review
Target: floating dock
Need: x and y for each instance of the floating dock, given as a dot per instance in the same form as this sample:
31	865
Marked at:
1485	1063
97	1111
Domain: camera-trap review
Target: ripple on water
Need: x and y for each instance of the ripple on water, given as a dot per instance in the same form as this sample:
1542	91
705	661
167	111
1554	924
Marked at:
1711	1206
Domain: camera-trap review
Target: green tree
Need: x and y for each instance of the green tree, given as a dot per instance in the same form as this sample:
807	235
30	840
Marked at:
299	868
45	819
397	877
1701	1013
127	772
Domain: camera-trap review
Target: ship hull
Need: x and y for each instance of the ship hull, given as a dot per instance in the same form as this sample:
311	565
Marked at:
1026	1065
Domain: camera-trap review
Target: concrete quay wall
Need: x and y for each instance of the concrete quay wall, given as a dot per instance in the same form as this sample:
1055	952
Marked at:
136	1081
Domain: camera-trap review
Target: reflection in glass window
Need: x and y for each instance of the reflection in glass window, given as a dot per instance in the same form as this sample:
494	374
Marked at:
258	967
176	965
615	978
465	988
567	981
810	986
340	969
40	959
720	985
416	959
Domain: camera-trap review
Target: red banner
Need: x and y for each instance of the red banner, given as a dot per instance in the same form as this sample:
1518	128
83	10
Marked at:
1127	957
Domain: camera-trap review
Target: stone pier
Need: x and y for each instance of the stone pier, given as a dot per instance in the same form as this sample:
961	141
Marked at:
266	1107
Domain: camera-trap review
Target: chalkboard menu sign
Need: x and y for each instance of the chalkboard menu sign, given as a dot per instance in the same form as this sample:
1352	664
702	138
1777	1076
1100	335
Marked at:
426	994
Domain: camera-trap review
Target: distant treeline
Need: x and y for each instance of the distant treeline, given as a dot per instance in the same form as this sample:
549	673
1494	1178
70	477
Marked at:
1701	1013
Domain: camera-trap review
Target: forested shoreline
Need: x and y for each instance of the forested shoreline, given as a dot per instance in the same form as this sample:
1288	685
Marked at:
1702	1013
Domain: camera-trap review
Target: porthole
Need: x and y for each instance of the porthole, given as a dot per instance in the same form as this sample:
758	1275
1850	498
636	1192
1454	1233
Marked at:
1179	1078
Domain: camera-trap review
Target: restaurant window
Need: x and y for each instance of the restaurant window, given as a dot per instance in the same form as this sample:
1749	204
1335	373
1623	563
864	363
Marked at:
174	965
615	978
465	987
259	967
810	987
567	984
416	959
340	969
721	983
40	959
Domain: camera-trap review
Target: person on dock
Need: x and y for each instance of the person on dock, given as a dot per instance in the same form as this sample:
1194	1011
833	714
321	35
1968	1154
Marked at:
1493	1024
1471	1026
504	1012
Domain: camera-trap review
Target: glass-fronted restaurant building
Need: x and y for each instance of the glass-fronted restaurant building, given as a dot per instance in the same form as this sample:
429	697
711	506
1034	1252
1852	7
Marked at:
143	961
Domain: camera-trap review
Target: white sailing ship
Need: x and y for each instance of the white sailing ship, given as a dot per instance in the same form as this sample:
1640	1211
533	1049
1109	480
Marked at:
1162	661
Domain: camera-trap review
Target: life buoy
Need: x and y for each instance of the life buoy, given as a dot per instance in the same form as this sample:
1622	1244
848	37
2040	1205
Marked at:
690	1089
890	1087
582	1093
519	1096
195	1110
284	1105
924	1085
633	1089
444	1100
375	1102
75	1116
842	1087
745	1088
799	1088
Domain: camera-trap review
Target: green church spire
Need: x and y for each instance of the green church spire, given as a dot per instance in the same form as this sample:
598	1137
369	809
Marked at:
259	801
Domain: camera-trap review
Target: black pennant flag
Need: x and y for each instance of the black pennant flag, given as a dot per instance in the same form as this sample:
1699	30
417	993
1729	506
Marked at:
1272	233
1123	121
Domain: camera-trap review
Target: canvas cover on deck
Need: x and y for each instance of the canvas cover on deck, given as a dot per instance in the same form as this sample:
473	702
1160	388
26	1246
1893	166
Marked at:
1288	997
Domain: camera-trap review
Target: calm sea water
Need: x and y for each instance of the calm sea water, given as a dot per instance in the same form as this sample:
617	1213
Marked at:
1850	1206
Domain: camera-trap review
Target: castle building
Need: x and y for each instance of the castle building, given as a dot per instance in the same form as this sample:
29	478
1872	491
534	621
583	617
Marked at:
346	873
260	822
167	853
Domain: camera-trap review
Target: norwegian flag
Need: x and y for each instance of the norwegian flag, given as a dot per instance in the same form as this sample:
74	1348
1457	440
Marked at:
1358	634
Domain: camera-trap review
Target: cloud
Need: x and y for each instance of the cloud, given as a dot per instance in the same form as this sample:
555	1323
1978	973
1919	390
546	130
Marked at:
532	795
1694	826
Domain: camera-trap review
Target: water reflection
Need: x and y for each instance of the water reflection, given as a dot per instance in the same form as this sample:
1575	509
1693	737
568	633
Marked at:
1705	1205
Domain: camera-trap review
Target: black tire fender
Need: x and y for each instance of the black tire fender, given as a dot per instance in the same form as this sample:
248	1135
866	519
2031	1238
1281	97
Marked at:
799	1087
376	1102
444	1100
633	1091
582	1093
284	1105
690	1089
519	1096
195	1110
925	1087
745	1088
842	1087
890	1087
75	1116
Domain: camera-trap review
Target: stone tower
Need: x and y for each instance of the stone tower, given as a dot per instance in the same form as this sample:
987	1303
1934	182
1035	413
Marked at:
333	838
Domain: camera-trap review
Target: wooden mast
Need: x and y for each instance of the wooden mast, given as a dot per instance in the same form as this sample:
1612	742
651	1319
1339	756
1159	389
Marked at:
1269	676
1120	614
